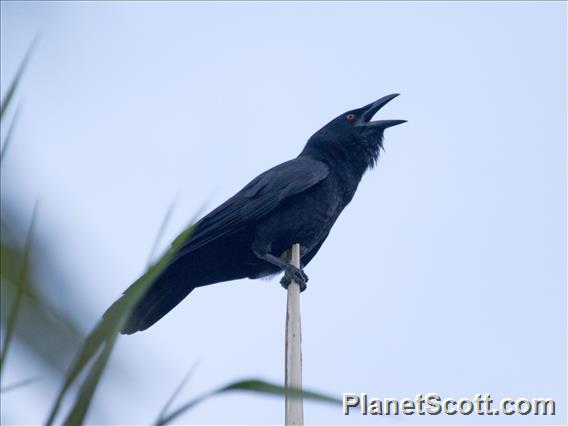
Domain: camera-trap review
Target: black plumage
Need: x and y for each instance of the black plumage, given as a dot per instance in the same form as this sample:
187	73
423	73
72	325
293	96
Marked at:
295	202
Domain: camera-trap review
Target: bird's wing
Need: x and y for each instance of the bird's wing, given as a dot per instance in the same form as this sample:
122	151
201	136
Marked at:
256	199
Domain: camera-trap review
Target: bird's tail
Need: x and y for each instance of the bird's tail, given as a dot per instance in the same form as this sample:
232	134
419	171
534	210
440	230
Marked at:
212	264
169	289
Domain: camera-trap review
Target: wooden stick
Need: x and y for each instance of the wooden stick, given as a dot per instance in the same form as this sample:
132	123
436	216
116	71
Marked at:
294	406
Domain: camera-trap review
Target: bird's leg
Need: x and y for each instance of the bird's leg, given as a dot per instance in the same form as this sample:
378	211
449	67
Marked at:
290	271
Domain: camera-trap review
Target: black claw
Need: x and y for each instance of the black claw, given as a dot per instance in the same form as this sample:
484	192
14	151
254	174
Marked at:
297	275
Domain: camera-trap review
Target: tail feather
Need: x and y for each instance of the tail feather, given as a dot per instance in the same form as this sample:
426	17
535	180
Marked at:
169	289
224	261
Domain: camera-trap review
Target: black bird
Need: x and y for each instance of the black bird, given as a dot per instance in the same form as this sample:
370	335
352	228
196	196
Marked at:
250	234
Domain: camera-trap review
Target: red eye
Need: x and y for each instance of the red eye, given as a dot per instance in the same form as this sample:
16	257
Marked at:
350	116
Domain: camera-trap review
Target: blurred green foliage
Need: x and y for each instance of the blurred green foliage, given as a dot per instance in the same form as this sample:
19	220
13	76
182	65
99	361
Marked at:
51	334
27	314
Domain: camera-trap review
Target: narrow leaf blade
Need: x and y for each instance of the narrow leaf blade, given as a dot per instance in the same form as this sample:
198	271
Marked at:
20	291
81	406
106	331
255	386
14	85
176	392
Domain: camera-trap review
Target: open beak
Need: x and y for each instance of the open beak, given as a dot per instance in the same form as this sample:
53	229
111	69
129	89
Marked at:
370	110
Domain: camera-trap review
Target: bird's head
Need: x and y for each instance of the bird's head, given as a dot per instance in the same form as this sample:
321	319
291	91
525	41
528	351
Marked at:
353	133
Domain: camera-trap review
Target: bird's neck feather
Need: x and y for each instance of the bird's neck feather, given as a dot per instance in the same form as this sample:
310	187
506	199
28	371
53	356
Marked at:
355	157
347	160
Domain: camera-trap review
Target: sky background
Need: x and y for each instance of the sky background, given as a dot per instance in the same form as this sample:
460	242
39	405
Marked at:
447	272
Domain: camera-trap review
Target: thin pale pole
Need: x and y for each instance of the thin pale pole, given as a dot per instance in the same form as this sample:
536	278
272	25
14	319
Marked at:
294	406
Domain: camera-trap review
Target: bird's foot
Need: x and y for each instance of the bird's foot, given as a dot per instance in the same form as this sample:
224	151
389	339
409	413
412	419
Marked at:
296	274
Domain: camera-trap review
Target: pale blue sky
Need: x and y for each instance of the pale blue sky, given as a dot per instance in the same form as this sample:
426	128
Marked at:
446	274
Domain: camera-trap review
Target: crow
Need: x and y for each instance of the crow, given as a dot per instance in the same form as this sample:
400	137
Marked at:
250	234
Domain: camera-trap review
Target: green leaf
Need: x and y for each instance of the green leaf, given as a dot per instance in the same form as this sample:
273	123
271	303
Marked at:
163	225
92	345
12	89
79	411
101	339
176	392
45	330
19	384
43	327
9	133
20	290
253	385
270	388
